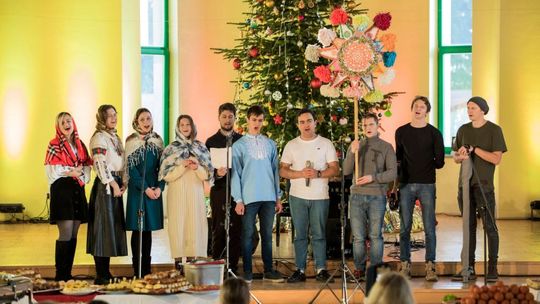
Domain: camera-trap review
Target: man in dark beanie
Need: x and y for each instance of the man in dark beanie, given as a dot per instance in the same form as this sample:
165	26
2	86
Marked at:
479	146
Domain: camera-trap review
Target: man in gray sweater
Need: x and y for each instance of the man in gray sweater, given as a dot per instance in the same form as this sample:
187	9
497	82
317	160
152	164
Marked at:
367	202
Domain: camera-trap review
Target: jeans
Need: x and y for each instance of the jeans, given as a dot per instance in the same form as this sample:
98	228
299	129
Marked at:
409	193
309	216
266	211
367	217
476	204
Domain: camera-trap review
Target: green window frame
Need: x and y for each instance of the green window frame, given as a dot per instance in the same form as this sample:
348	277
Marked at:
163	51
442	84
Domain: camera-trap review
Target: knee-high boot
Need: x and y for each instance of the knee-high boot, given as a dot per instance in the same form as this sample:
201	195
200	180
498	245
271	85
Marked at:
71	255
63	271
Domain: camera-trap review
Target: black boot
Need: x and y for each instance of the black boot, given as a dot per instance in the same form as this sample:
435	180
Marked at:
71	255
102	270
135	266
146	265
493	274
63	271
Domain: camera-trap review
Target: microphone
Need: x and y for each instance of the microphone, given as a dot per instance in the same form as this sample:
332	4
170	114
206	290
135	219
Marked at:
309	164
229	140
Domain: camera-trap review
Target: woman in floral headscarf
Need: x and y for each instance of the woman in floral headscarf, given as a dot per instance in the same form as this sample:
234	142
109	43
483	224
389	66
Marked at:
185	166
106	235
68	168
143	153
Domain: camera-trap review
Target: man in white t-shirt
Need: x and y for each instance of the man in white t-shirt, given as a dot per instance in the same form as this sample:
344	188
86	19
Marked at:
308	161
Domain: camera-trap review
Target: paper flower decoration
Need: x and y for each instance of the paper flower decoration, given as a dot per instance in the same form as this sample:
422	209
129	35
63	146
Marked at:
278	119
323	73
312	53
382	21
326	36
338	16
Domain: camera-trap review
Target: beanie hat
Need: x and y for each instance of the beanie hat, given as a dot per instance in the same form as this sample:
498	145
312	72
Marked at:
481	102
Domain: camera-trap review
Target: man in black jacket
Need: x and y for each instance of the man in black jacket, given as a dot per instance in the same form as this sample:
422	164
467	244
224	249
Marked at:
419	151
227	117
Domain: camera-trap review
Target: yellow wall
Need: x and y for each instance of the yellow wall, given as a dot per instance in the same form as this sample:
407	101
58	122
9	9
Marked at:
519	106
57	55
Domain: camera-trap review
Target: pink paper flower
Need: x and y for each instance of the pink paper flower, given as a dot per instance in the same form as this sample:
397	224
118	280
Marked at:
278	119
338	16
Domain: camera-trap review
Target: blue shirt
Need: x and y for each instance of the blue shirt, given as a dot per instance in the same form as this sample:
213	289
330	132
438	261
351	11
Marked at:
255	170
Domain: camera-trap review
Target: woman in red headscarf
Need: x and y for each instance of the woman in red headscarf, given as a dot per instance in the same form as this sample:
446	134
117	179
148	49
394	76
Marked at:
68	168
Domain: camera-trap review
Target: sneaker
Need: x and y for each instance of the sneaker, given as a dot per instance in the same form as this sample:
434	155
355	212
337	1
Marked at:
459	276
248	277
297	276
492	275
405	269
358	276
273	276
431	274
323	276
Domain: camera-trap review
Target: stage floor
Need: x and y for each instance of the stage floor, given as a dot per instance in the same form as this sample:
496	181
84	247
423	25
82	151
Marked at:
24	245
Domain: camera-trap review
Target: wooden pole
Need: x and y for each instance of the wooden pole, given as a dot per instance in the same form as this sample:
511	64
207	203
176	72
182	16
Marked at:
356	161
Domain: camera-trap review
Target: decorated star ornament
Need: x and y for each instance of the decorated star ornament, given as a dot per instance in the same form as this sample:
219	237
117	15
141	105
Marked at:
355	56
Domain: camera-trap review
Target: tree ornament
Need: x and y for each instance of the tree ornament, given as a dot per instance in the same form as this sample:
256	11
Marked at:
348	139
289	106
276	11
277	96
299	43
311	4
253	52
300	18
269	3
320	118
387	113
301	4
265	123
237	63
351	4
278	120
268	31
343	121
278	76
315	83
267	92
333	117
253	24
246	85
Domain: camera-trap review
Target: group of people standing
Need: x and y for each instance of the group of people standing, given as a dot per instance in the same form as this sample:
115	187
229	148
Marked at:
144	167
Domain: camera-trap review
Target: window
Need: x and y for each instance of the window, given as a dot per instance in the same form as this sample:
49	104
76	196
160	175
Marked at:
454	65
155	63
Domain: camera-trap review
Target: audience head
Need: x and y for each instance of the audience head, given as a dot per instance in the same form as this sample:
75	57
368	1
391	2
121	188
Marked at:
390	288
234	291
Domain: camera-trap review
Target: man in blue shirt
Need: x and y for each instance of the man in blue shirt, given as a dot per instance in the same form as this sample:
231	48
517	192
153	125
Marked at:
255	189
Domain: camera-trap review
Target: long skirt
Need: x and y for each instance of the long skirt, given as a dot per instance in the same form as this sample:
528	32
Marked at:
106	225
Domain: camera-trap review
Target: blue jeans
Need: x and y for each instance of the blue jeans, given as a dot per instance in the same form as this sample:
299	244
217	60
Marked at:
409	193
266	211
367	216
309	216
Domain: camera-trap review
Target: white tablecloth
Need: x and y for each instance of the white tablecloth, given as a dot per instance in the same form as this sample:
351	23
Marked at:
209	298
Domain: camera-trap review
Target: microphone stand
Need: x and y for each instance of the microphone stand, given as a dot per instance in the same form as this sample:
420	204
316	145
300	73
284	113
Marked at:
140	212
228	145
485	214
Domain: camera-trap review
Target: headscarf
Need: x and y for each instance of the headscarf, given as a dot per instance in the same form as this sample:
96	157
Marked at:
135	144
60	152
181	149
101	126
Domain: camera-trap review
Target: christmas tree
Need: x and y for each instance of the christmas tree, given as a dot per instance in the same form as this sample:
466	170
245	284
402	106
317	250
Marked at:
279	65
